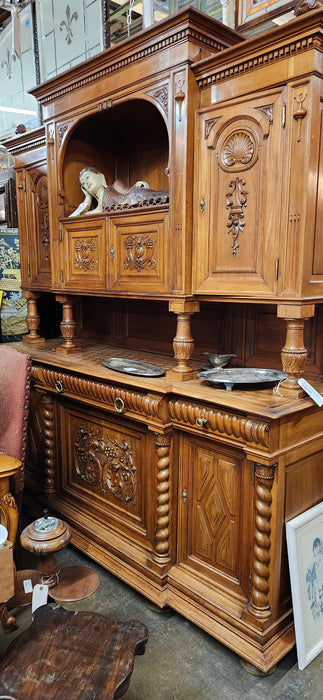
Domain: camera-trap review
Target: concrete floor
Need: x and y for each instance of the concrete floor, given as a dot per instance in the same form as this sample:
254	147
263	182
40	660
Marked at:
181	662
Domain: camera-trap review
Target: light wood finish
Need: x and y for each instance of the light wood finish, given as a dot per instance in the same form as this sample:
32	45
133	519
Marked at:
179	488
9	517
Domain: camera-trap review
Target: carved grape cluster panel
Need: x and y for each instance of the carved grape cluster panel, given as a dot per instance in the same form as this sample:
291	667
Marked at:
105	463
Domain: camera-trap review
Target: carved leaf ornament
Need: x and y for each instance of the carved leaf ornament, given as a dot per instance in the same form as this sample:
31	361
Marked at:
105	463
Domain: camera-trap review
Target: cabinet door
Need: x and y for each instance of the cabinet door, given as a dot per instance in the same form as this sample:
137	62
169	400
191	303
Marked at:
214	514
105	475
83	254
32	201
240	158
139	252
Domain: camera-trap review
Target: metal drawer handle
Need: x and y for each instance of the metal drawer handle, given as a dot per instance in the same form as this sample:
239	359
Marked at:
200	422
59	386
119	404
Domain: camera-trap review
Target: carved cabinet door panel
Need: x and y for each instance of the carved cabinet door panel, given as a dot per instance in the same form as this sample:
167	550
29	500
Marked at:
138	257
84	253
32	202
240	149
212	514
105	472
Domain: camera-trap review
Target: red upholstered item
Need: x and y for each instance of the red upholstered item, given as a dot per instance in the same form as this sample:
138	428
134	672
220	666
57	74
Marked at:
14	386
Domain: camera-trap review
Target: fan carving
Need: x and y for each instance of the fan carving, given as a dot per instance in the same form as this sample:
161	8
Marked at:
238	149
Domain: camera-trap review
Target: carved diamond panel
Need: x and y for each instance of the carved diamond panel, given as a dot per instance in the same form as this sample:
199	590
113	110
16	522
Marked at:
215	508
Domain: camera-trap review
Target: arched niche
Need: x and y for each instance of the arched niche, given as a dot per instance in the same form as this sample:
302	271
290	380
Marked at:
128	141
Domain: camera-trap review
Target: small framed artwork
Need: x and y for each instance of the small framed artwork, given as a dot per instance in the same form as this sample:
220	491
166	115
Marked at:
8	205
305	556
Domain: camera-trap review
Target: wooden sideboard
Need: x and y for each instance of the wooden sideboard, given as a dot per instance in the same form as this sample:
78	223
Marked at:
179	488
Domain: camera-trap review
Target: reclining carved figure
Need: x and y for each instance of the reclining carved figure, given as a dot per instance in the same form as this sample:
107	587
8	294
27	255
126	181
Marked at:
116	196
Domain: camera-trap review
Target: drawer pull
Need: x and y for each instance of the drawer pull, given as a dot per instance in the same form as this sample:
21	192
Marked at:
119	404
59	386
200	422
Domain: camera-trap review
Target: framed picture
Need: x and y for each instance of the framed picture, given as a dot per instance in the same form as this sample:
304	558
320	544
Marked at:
8	205
305	555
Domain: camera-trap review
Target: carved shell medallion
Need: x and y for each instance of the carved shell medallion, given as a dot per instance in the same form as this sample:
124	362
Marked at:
239	149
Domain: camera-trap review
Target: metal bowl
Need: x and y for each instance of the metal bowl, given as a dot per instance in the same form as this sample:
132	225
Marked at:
218	360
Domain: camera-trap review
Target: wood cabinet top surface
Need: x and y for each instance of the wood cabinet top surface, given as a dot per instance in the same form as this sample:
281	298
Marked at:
262	402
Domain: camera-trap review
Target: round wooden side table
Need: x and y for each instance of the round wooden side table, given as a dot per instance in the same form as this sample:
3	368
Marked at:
45	537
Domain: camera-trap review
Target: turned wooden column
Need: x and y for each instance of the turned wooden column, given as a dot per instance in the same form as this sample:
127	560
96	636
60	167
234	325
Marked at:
161	553
49	443
294	353
183	342
32	319
67	326
258	610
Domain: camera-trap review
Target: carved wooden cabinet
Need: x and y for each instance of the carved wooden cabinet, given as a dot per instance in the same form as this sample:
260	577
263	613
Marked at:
259	148
241	159
29	151
180	488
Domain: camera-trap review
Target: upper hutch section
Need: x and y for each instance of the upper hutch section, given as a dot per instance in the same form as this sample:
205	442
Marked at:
129	113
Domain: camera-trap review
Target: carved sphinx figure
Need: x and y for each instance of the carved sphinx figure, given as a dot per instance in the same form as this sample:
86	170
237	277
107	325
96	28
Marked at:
116	196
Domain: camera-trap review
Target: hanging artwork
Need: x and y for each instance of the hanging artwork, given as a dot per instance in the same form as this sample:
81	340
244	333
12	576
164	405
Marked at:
251	11
305	555
13	309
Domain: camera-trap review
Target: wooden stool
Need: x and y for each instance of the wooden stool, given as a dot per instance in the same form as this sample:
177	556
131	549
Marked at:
45	537
71	655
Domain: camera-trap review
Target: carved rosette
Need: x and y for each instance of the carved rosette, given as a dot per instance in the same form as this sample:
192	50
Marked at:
84	258
259	603
139	253
49	444
105	463
161	554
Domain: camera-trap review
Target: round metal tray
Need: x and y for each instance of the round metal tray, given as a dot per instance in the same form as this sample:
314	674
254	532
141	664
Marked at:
243	375
140	369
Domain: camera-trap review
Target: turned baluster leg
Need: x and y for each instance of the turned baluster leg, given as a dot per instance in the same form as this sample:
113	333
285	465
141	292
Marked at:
294	353
183	343
32	319
68	327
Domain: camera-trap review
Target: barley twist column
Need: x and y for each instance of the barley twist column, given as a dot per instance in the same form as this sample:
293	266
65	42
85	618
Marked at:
161	553
259	602
49	444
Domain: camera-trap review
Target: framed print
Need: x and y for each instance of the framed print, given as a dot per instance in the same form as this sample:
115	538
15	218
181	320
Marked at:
8	206
305	555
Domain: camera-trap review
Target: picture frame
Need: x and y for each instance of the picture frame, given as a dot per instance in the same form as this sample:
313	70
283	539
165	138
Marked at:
304	535
8	205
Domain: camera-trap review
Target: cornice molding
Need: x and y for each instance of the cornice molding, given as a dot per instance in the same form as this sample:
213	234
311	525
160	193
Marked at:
138	54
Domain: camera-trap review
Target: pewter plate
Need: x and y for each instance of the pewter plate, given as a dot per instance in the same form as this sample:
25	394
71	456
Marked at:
245	375
140	369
